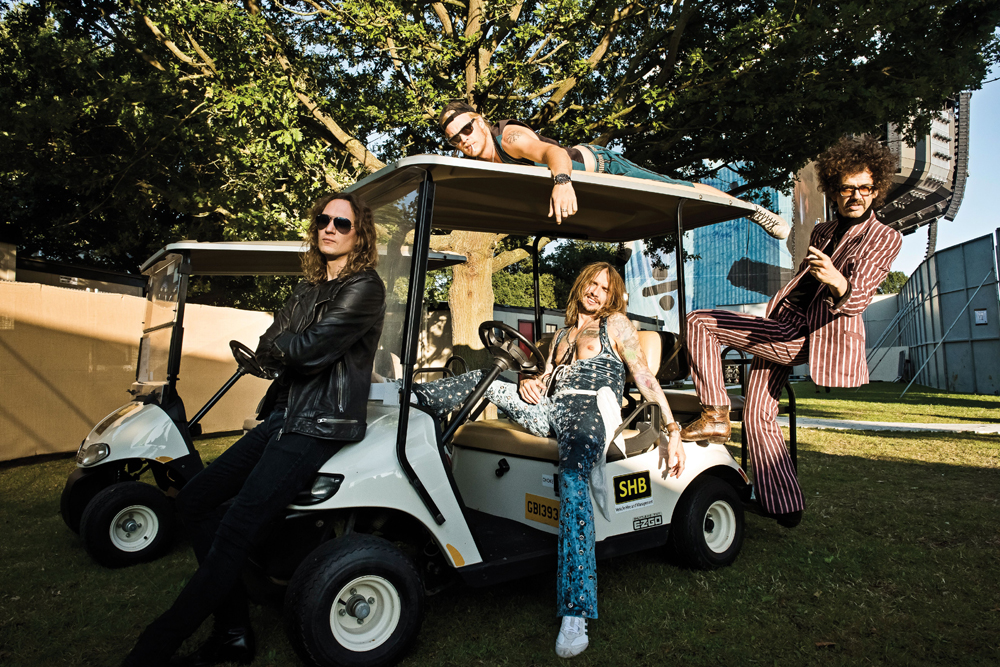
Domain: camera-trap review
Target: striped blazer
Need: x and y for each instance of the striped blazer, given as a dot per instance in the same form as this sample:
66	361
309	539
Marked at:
836	330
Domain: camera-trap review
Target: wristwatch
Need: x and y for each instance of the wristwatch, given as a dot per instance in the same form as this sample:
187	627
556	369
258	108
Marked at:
673	427
561	179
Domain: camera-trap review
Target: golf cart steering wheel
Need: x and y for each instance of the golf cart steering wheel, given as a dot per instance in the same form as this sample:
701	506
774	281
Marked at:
502	342
247	360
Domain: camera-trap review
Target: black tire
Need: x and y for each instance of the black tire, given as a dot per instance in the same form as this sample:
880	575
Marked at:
321	588
707	528
109	516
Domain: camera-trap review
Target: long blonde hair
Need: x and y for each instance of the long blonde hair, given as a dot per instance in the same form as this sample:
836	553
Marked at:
365	252
616	302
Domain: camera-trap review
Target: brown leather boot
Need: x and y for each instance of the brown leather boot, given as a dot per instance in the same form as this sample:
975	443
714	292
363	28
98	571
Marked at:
713	425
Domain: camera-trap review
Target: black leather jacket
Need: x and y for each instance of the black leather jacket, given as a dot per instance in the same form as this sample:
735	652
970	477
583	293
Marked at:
321	346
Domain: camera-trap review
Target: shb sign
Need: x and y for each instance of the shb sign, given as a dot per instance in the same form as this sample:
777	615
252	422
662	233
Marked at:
980	316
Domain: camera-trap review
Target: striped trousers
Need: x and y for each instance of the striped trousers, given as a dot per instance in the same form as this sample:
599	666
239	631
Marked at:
776	343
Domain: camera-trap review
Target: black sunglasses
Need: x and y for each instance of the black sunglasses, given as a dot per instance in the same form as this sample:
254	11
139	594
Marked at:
342	225
464	132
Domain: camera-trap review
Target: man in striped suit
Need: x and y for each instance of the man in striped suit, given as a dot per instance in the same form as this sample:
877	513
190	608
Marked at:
815	318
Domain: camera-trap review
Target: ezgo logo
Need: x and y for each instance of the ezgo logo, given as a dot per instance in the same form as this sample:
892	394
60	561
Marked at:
632	491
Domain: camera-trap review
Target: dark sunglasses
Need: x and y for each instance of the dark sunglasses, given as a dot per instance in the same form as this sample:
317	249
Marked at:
342	225
464	132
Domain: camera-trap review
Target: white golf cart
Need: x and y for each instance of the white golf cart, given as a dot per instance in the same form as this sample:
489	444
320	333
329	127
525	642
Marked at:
389	518
122	520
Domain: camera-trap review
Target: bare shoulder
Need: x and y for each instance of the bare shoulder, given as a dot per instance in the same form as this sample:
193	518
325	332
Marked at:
513	134
620	327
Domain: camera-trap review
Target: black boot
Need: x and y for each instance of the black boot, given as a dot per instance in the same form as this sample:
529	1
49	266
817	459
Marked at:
787	520
233	645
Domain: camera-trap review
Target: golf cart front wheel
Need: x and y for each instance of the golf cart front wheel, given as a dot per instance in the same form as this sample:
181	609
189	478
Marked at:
707	528
127	523
356	601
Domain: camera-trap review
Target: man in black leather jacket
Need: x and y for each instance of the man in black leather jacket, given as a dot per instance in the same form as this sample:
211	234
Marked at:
320	349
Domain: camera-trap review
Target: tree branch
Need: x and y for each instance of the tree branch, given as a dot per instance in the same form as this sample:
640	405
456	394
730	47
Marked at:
350	143
545	114
118	37
172	47
473	27
201	53
689	9
506	25
508	257
443	17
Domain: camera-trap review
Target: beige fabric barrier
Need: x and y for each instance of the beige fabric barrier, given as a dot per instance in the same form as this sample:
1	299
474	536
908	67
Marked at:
207	363
67	359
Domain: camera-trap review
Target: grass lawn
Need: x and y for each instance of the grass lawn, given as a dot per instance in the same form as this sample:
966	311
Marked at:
895	563
880	402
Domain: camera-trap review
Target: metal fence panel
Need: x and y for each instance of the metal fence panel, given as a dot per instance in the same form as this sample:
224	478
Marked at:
949	288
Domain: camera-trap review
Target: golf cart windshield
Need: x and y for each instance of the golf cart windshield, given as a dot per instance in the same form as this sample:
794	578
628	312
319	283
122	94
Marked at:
395	206
472	195
167	271
163	300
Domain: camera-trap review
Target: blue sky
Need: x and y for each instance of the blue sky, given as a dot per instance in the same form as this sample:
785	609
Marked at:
980	211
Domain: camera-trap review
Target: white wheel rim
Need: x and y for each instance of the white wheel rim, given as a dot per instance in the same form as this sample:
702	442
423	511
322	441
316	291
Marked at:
384	608
719	526
134	528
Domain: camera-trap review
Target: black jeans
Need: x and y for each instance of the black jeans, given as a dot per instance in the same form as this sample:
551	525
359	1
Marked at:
263	470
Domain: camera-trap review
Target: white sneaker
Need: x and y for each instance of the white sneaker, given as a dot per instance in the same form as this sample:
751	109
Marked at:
772	223
572	639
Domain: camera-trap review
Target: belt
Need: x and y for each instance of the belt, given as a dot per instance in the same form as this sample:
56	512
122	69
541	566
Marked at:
601	169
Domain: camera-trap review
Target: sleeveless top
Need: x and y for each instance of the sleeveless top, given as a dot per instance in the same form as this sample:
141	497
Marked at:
604	369
497	131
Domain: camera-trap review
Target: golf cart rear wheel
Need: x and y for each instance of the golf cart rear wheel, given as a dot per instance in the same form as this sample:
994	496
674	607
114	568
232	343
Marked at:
127	523
707	528
356	601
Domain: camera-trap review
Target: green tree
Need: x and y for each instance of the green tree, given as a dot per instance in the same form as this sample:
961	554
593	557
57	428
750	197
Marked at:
568	258
518	289
894	281
127	129
223	118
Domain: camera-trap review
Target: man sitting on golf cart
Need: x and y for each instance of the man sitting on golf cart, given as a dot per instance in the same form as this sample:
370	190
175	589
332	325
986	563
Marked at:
320	349
578	399
513	142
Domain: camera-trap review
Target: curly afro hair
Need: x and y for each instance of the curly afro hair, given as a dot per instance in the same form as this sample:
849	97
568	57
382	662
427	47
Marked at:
851	155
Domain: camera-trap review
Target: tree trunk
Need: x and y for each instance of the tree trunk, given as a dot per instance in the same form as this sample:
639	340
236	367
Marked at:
471	296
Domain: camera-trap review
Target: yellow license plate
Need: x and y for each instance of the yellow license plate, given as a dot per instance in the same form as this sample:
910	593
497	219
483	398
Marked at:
542	510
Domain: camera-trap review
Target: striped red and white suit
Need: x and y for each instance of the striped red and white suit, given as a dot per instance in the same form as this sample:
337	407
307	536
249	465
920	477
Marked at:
829	335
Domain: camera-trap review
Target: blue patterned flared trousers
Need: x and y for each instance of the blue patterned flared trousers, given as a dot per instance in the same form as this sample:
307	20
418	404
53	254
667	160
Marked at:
575	421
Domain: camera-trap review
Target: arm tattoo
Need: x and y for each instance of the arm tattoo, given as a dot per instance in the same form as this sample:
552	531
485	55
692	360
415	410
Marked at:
512	137
624	334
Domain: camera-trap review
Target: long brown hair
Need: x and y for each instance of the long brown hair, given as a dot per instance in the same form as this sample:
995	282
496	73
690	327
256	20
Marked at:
616	292
852	155
365	252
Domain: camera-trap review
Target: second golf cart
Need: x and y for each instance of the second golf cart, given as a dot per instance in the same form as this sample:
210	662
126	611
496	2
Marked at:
121	519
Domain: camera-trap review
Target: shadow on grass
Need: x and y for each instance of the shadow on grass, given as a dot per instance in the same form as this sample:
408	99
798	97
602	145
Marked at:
888	567
888	416
882	402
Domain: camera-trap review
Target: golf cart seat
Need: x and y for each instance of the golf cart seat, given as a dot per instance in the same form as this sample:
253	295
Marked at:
665	353
502	436
685	405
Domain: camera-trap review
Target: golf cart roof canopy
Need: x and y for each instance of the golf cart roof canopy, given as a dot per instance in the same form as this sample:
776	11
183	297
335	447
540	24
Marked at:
259	258
481	196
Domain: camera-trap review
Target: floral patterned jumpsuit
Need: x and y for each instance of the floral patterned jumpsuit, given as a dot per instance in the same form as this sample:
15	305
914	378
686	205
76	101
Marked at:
572	415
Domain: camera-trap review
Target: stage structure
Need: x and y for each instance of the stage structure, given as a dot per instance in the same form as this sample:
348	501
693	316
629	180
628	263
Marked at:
736	263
